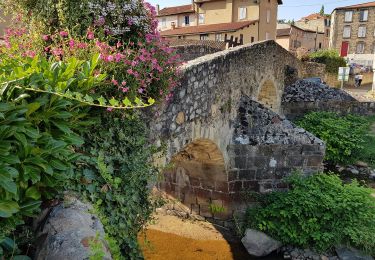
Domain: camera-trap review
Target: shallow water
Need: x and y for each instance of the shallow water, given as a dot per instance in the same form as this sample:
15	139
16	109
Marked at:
166	246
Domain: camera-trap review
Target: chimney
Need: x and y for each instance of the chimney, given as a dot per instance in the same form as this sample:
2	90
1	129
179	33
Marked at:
157	9
173	25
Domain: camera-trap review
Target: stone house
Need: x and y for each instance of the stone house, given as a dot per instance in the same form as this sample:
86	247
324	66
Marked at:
291	38
319	23
353	32
251	20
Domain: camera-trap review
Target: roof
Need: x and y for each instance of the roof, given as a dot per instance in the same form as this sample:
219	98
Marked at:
315	16
219	27
203	1
287	31
176	10
283	32
363	5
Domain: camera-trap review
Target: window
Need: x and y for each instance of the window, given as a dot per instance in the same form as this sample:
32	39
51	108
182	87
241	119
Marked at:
268	36
268	15
360	48
187	20
327	33
242	13
347	31
362	31
218	37
252	39
348	16
201	18
163	22
320	45
363	15
203	37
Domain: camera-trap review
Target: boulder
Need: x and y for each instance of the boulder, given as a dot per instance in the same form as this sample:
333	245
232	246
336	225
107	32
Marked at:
347	253
259	244
68	231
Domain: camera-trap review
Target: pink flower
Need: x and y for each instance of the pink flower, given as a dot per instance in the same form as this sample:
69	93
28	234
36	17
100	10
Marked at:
130	71
45	37
123	83
63	34
114	82
90	35
71	43
130	22
125	90
140	90
110	109
110	58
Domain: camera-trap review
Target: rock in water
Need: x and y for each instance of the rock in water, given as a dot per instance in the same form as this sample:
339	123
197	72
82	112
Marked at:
68	231
345	253
259	244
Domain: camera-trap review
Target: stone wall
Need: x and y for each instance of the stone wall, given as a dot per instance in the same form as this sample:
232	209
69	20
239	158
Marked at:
201	128
313	69
191	52
265	148
303	97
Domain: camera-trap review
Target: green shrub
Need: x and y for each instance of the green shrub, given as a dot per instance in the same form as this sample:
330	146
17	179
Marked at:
114	174
343	135
319	212
330	58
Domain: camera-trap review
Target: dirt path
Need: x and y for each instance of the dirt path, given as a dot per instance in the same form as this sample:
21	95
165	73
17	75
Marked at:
171	238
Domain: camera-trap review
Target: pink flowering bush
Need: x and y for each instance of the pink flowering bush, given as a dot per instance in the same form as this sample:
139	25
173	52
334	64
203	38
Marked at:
136	70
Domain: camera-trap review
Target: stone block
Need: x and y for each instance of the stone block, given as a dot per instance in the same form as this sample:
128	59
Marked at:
221	186
235	186
314	161
247	174
240	162
232	175
251	186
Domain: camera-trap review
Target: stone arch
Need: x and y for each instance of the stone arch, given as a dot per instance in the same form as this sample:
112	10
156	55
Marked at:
268	95
196	174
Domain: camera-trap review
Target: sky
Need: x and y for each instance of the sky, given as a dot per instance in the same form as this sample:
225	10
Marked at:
291	9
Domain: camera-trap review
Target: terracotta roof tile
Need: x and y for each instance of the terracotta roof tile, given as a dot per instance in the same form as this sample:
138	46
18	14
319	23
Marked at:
220	27
176	10
313	17
364	5
283	32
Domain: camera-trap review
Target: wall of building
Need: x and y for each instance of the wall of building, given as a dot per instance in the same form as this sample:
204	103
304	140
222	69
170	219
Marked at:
169	20
216	11
270	27
252	10
191	52
337	29
284	42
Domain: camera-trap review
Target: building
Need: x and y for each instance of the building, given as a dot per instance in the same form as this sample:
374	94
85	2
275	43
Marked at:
353	32
319	23
291	37
250	20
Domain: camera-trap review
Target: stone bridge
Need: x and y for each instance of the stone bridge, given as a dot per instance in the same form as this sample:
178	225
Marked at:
223	135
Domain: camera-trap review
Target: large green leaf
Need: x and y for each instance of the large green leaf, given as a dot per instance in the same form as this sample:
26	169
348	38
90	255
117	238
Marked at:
8	208
33	193
8	184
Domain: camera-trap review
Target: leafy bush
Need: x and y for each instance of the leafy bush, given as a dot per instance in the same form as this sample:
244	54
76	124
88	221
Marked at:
320	212
330	58
114	174
48	16
343	135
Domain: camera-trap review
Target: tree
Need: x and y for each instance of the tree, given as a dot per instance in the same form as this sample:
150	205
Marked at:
322	10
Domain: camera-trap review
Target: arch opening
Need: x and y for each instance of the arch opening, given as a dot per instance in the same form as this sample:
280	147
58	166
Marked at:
197	176
268	96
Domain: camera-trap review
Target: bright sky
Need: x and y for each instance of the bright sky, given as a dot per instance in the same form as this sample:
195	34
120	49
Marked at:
291	9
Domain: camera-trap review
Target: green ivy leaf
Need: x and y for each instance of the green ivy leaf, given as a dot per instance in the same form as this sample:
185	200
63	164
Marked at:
8	208
113	102
33	193
102	101
127	102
